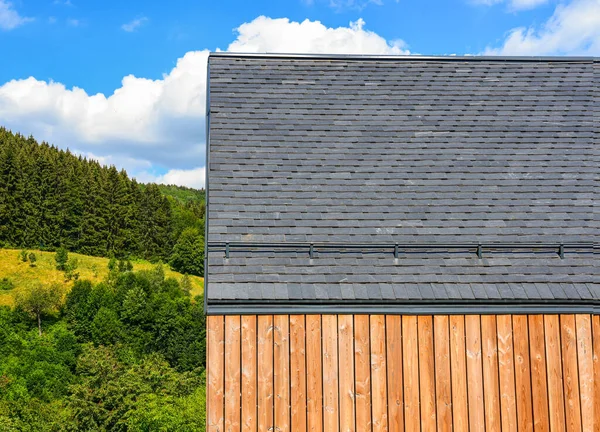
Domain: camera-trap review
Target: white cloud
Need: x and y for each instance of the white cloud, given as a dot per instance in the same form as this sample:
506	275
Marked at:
573	29
145	124
159	120
283	36
134	24
193	178
9	17
527	4
74	22
131	165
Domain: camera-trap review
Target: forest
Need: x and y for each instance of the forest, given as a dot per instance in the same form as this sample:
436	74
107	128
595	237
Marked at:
126	354
114	349
51	198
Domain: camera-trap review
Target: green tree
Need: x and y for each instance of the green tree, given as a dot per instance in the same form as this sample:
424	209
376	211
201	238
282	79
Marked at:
61	258
23	256
32	259
70	268
188	253
107	329
113	395
38	300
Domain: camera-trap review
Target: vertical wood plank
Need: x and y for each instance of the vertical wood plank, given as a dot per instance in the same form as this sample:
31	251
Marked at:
491	385
362	372
508	403
346	368
215	373
314	374
378	374
570	372
522	373
596	343
586	370
410	368
554	368
281	372
539	387
443	386
474	372
265	372
249	420
330	374
426	372
232	373
393	333
458	371
298	373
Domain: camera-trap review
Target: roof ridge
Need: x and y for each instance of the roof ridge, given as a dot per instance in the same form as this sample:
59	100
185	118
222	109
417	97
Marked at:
412	57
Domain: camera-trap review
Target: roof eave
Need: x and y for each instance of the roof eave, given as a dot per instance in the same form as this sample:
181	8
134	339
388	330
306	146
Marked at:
433	307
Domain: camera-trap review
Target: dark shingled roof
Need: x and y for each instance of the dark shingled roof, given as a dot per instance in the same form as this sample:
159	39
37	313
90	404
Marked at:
357	154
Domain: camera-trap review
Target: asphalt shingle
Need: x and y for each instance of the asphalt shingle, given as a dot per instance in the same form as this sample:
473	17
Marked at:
406	150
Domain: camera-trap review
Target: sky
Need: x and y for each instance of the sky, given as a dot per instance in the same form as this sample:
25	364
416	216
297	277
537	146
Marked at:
124	82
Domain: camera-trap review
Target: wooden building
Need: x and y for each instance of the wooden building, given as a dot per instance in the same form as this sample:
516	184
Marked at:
402	243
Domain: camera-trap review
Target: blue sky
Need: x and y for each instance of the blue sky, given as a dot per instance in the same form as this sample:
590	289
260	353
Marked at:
124	81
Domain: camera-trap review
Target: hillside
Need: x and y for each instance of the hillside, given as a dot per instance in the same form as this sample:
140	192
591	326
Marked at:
94	269
51	198
182	194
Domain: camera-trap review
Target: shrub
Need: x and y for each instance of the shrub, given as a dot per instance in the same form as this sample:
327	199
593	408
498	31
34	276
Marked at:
70	268
23	256
61	258
6	284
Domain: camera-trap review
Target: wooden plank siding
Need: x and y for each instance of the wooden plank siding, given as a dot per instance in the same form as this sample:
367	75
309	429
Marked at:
372	373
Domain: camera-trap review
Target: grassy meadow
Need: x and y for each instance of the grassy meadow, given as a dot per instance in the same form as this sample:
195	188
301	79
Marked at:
91	268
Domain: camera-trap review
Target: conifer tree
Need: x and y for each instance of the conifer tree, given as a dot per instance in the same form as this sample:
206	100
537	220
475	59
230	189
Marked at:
51	198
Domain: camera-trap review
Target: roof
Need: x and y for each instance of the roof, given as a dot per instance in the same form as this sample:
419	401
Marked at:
396	170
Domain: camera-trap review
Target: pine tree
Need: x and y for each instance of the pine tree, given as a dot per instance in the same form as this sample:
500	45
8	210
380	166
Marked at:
51	198
61	258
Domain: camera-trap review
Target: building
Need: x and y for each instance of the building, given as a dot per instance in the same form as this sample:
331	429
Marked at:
402	243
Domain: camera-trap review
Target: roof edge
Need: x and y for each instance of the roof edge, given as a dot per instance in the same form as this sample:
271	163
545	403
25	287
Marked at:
415	57
433	307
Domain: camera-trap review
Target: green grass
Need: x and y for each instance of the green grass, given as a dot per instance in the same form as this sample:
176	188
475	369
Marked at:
91	268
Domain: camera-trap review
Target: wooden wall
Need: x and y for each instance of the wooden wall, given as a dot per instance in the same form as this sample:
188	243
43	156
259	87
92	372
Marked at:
394	373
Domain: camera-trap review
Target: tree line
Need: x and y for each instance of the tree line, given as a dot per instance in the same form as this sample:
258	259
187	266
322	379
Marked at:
51	198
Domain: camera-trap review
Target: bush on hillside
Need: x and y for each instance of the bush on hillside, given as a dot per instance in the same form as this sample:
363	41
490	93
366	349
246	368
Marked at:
6	284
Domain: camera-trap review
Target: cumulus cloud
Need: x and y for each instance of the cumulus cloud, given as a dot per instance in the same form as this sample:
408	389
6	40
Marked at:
134	24
9	17
149	124
283	36
573	29
158	120
193	178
